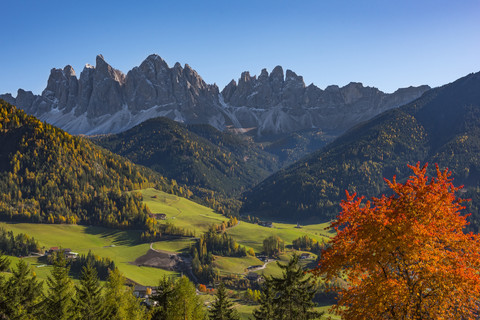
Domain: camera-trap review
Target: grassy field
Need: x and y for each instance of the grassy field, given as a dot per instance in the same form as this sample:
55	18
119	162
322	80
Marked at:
187	214
41	270
177	245
120	246
180	211
236	265
252	235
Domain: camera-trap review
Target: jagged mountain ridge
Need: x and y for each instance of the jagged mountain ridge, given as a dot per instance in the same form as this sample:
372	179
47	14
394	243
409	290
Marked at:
272	98
105	100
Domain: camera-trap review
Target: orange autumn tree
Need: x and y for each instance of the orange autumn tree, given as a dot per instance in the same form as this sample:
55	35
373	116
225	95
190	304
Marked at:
405	256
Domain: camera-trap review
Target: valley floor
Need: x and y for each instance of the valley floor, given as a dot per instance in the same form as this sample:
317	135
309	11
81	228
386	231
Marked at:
136	260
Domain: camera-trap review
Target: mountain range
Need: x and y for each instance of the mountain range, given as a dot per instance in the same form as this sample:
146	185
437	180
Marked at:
105	100
439	125
443	127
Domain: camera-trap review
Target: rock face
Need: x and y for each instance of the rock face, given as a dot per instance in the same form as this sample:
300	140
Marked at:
274	104
104	100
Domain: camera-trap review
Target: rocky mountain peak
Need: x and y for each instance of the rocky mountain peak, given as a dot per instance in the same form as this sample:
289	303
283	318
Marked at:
105	100
100	62
332	88
263	75
229	90
62	87
277	74
68	71
292	76
104	71
8	98
177	66
245	77
282	104
25	97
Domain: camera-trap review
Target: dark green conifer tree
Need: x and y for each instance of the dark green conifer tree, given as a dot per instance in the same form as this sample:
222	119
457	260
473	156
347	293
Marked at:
163	297
89	299
21	295
294	292
222	308
177	301
266	311
4	262
59	302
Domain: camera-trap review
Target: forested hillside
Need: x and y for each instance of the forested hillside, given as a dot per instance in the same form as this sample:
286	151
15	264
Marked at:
443	127
47	175
197	155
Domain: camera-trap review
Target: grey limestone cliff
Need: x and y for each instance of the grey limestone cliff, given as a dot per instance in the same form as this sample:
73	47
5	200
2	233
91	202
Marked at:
275	104
105	100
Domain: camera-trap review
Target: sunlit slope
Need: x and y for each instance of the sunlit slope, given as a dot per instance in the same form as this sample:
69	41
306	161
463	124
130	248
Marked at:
120	246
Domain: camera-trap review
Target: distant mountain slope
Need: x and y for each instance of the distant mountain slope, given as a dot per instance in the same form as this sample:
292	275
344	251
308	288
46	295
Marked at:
105	100
296	145
443	127
47	175
197	155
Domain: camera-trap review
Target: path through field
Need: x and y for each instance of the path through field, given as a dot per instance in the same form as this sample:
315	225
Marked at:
262	267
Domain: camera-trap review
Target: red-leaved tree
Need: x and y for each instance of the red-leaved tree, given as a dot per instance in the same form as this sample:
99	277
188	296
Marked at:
405	256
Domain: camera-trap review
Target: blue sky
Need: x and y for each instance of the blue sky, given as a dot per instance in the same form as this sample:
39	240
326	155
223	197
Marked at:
381	43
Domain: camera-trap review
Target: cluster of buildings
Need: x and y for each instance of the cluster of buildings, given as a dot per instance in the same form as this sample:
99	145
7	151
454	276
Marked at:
67	252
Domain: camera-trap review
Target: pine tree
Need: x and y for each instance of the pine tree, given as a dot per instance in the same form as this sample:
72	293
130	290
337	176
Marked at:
20	296
4	262
89	299
59	302
163	296
266	310
222	308
294	292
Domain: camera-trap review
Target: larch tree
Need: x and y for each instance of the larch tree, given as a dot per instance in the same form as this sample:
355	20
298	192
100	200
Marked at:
185	304
405	256
120	303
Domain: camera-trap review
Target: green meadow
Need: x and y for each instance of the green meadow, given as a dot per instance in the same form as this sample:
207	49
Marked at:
180	211
252	235
120	246
124	247
235	265
176	245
